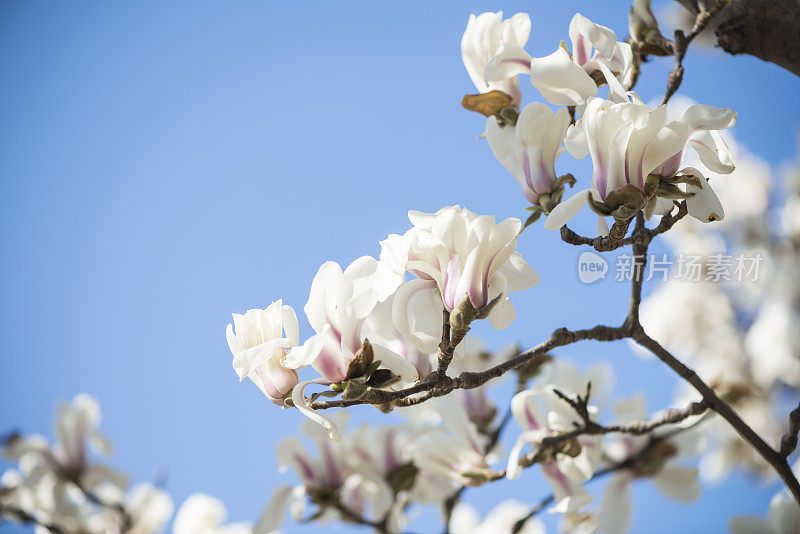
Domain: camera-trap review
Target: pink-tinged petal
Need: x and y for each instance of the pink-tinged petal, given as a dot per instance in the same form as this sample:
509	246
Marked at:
586	35
668	144
561	81
396	364
713	151
277	380
569	495
510	61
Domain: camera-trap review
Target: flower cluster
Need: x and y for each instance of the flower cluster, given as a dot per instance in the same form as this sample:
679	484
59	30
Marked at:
637	151
61	487
373	330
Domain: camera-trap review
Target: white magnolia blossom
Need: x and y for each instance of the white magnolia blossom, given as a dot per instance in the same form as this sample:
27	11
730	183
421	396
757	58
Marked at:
562	374
529	149
262	339
471	356
500	520
675	481
358	469
337	312
380	329
203	514
540	413
566	79
783	517
482	39
68	459
773	344
149	507
457	255
629	141
454	451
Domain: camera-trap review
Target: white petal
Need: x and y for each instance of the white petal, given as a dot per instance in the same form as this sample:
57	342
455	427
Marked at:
396	364
616	508
713	151
749	525
272	517
417	313
575	140
704	205
503	313
784	514
560	80
602	226
566	210
679	483
300	402
702	117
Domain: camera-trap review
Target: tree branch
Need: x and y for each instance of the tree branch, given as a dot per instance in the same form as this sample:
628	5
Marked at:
789	440
766	29
22	516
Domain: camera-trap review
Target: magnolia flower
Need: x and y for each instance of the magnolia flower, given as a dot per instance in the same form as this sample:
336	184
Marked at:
76	431
562	373
483	37
454	451
459	258
380	329
500	520
569	80
335	472
674	481
783	518
472	356
149	508
540	413
636	157
529	150
262	338
203	514
773	344
338	322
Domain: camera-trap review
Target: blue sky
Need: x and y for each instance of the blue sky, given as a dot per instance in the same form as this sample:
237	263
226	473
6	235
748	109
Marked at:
164	164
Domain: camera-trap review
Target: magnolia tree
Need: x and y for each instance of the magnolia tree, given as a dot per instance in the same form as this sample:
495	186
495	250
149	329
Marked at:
393	332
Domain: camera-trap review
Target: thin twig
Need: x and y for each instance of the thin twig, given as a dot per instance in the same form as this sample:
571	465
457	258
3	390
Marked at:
681	44
789	440
18	514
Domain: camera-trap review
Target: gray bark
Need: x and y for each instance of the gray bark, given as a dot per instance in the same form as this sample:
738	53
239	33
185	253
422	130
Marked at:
766	29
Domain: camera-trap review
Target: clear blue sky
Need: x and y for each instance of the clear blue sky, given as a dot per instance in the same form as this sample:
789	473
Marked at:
164	164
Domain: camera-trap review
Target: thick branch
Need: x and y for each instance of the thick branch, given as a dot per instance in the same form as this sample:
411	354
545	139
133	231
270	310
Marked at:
442	385
766	29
